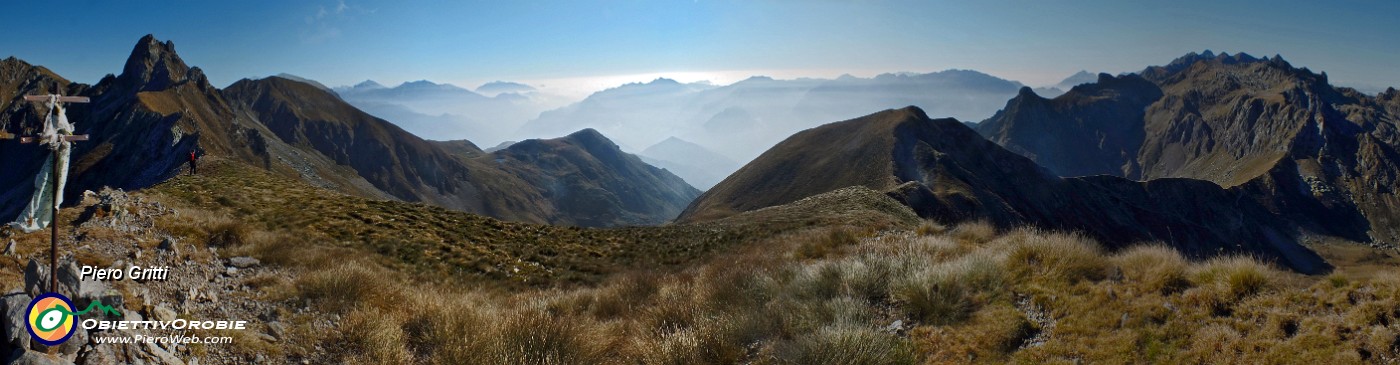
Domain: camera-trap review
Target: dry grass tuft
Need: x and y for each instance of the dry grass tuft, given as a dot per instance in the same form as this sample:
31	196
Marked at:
1155	267
1056	256
948	292
830	243
535	337
930	227
1238	276
979	231
839	345
375	337
349	285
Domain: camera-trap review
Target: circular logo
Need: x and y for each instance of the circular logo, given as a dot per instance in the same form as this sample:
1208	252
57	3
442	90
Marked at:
50	319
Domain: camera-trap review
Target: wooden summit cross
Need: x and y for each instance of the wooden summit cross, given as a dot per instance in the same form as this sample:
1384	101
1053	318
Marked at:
55	111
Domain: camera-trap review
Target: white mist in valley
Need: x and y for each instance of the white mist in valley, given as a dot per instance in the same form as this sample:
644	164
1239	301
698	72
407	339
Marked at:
693	126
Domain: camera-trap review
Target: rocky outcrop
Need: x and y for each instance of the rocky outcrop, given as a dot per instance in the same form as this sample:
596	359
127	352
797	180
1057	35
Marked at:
199	287
1322	157
1081	132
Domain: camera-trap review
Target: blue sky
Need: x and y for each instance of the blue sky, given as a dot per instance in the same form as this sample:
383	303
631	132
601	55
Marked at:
470	42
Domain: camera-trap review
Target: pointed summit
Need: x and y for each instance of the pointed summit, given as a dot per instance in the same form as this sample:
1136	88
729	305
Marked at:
368	85
594	141
155	66
1081	77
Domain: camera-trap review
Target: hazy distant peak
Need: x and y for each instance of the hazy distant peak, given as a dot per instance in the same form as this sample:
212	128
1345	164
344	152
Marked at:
1081	77
368	85
755	80
674	147
664	81
502	87
420	83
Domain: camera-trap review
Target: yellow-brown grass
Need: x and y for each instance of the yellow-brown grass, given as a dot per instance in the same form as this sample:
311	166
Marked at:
824	293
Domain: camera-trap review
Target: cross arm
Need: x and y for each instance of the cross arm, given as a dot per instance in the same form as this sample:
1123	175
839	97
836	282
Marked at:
75	137
66	99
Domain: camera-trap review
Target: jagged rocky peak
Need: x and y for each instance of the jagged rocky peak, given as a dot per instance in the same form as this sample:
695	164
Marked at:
154	65
1389	94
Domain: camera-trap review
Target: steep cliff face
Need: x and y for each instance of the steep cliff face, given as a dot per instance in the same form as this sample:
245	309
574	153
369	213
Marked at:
943	170
145	122
1320	155
1090	130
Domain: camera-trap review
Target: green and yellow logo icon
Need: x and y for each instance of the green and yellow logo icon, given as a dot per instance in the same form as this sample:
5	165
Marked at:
51	319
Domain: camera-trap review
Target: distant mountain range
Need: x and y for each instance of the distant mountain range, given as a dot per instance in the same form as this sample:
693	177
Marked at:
1210	154
491	114
742	119
144	122
736	121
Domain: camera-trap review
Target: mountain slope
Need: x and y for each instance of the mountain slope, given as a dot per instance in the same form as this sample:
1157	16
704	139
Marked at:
1323	156
142	125
144	122
593	182
393	160
698	165
944	170
525	184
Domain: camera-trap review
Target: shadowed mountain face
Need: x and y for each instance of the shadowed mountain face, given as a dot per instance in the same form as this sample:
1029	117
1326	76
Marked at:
545	185
593	182
1051	132
145	122
1325	157
945	170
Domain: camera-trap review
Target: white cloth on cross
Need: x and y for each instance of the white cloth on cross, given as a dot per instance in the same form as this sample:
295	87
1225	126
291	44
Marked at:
39	213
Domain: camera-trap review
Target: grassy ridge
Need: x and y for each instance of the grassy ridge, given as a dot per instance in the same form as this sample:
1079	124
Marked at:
453	245
838	296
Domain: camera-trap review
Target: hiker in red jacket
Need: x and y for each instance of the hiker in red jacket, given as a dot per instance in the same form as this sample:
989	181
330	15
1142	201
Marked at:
193	158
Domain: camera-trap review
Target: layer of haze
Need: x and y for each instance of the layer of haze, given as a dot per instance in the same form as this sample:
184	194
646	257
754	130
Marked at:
568	46
662	78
